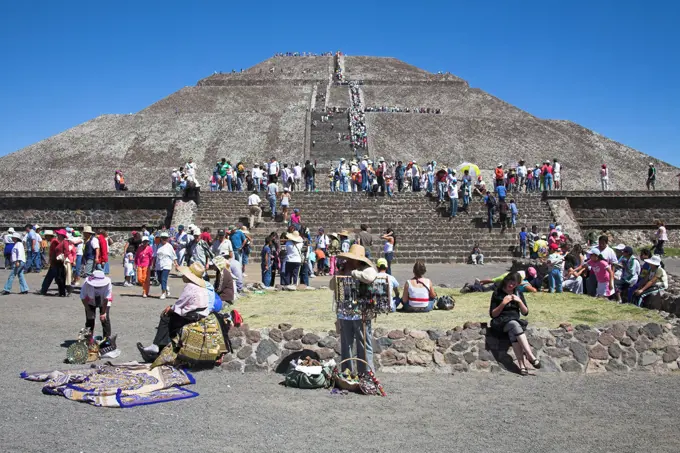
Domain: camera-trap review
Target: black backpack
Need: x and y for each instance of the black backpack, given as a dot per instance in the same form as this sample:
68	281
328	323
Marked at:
446	303
491	201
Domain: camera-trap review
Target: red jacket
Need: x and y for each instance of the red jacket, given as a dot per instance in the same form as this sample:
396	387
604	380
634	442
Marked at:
103	249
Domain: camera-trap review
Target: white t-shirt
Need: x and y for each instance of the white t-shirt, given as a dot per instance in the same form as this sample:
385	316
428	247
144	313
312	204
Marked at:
662	234
272	190
18	253
453	188
522	171
94	242
610	255
293	254
557	167
322	241
8	239
273	168
224	248
297	172
254	200
165	256
89	292
256	173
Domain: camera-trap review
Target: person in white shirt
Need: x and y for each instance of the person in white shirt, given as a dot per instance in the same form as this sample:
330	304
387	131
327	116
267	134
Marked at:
661	237
181	241
273	168
18	260
257	175
293	257
164	260
254	209
452	190
222	246
557	177
190	168
521	175
297	175
272	191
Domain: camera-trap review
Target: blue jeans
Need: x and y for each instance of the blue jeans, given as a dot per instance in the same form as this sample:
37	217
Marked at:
364	180
466	200
548	182
351	331
256	183
79	263
523	249
513	219
272	206
430	183
17	272
429	307
239	183
304	274
332	186
237	256
555	281
164	279
33	262
229	183
309	183
344	184
389	257
267	276
490	217
106	268
454	207
442	190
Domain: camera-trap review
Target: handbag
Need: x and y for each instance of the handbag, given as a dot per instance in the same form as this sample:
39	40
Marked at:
299	379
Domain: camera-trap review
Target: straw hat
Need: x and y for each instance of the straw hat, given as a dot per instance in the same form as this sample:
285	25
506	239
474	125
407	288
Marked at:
356	253
344	233
294	236
48	233
221	263
98	279
87	229
194	273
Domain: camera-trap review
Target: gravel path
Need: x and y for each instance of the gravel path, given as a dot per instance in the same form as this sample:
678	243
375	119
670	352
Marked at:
427	412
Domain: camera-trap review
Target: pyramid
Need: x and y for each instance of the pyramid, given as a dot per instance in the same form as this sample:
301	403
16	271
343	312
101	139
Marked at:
268	110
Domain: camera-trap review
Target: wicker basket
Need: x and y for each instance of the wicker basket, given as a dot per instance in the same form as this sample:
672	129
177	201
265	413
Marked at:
341	382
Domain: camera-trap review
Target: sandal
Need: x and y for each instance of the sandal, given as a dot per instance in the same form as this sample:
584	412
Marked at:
536	364
523	371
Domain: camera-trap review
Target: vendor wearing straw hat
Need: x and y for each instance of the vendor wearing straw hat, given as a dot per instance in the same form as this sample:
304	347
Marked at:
195	303
356	264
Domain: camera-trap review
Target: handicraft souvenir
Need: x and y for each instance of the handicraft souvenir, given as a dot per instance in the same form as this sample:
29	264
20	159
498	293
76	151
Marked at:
367	300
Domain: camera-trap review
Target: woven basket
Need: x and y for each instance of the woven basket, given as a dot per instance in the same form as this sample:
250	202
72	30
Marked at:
344	384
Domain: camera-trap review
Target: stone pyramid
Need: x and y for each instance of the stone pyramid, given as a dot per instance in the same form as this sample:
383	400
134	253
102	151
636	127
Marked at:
268	110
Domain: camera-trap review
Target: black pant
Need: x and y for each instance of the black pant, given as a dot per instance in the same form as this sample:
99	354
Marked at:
60	278
292	272
400	184
381	184
91	312
168	327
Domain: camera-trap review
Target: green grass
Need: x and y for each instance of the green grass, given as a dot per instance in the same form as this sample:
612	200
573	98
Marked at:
669	252
313	310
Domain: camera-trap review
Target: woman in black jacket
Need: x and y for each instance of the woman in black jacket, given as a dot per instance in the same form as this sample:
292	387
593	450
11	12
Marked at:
507	306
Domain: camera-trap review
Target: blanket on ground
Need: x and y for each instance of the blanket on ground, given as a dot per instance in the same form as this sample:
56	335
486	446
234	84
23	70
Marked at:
124	385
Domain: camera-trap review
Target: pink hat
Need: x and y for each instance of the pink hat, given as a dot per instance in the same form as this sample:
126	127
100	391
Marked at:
61	232
531	272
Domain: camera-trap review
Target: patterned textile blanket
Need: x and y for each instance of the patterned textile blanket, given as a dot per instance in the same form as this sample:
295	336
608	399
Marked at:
124	385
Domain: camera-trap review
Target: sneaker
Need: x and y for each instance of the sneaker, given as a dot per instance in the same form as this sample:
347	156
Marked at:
162	296
144	295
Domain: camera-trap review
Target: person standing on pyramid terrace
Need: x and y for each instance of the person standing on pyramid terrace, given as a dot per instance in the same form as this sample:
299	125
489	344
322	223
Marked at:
557	175
272	191
547	173
297	176
521	175
190	168
442	178
499	176
309	172
604	177
651	177
365	239
399	176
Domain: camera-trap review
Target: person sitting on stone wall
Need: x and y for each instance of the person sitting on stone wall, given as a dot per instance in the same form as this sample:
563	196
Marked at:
506	308
657	282
630	271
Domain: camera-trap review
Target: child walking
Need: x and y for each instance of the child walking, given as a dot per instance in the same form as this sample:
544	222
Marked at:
128	268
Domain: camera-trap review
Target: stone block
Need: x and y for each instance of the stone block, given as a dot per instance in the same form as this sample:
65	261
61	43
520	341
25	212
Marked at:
580	352
614	350
253	336
598	352
294	334
396	335
276	335
572	366
284	326
652	330
648	358
310	338
626	341
470	357
244	352
615	366
557	352
425	344
329	342
234	365
459	367
294	345
265	349
485	355
404	345
325	353
643	343
618	331
392	358
461	346
452	358
588	337
418	334
671	355
420	358
438	358
606	339
633	332
444	342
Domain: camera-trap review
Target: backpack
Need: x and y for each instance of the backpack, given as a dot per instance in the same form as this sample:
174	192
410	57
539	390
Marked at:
491	201
445	303
503	208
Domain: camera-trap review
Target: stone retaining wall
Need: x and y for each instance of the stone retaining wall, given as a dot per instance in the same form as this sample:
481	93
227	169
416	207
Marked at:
472	347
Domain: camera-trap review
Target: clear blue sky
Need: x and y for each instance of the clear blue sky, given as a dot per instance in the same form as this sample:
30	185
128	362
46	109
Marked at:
611	66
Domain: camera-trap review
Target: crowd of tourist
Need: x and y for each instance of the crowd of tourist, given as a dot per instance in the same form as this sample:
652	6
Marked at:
386	109
357	118
596	269
305	54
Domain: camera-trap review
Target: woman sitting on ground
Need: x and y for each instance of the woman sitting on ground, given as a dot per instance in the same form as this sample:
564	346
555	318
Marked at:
507	307
418	294
195	303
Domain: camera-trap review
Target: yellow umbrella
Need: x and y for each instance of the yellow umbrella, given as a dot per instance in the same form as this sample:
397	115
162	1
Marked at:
471	168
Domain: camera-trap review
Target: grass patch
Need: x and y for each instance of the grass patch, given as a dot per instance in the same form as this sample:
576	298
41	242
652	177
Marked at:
312	310
668	252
